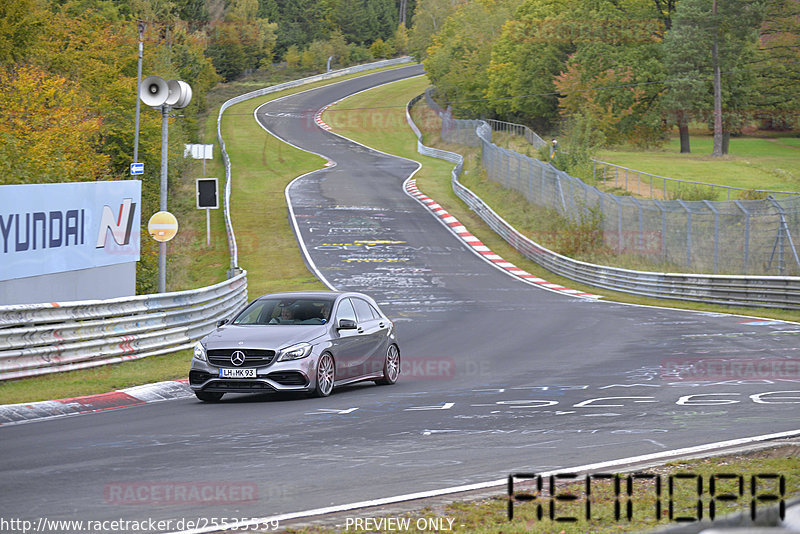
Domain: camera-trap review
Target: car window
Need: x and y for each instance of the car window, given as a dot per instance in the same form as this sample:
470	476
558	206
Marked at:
345	311
251	314
363	310
375	313
287	311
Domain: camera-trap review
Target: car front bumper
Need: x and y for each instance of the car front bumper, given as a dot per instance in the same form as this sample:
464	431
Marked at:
294	375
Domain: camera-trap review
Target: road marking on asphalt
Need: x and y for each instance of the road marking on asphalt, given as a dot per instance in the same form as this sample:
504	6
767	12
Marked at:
473	242
445	406
328	411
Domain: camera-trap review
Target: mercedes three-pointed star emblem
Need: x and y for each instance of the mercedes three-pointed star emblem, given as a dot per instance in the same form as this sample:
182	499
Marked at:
237	358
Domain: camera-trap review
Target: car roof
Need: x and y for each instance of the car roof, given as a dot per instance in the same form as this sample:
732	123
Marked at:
332	295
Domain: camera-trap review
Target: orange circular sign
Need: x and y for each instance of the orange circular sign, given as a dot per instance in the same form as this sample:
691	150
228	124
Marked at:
162	226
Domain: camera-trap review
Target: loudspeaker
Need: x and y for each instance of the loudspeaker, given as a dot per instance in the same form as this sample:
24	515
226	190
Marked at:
154	91
180	94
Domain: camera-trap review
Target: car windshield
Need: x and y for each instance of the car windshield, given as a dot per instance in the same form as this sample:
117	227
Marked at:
287	311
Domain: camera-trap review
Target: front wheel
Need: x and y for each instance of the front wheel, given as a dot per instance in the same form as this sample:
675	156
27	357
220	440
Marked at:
391	366
326	374
208	396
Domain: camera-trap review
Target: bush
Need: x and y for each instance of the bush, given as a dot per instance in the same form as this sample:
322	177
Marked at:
752	194
381	49
694	192
584	235
577	146
293	57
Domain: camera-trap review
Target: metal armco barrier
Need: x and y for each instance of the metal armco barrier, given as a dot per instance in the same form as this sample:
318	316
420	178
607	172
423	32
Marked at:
734	290
37	339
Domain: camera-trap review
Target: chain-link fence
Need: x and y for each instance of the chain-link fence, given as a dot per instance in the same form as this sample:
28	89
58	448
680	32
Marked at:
733	237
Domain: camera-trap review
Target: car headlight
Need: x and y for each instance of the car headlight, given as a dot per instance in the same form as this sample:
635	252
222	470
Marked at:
295	352
200	352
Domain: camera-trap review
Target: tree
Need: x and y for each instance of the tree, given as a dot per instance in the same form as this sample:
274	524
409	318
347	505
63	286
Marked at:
48	132
381	49
429	17
686	69
714	49
302	21
460	55
21	22
525	60
399	40
241	42
777	65
612	76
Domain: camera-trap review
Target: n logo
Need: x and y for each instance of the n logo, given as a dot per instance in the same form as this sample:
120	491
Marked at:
120	225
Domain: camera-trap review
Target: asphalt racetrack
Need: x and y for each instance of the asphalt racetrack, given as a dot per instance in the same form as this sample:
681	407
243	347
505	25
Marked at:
499	376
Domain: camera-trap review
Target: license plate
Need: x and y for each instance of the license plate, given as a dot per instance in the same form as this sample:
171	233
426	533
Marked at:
237	373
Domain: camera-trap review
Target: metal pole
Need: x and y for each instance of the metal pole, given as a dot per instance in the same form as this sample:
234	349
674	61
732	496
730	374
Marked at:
162	247
138	100
746	233
208	227
716	234
688	231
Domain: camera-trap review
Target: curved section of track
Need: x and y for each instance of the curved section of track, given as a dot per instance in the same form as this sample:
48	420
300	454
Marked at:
498	376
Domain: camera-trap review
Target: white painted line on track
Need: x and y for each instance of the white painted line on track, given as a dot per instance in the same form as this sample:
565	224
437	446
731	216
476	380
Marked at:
659	456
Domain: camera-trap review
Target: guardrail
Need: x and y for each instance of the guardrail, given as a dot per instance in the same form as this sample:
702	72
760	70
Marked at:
38	339
781	292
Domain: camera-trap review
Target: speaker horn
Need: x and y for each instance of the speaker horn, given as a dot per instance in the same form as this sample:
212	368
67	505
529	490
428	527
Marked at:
180	94
154	91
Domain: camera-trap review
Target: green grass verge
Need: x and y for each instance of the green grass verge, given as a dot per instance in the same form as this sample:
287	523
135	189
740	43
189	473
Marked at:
96	380
262	166
490	515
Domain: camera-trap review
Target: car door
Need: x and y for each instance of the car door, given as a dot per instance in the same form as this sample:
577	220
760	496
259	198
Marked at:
373	328
348	343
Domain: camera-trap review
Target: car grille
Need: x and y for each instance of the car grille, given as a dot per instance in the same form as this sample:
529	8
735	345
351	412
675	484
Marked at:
288	378
252	357
238	386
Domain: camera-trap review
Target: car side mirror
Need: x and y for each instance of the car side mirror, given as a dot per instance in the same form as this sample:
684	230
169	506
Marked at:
347	324
222	322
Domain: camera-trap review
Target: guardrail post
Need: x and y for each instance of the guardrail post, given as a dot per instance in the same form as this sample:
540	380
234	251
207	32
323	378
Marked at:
663	229
716	234
746	233
640	240
688	230
530	180
782	229
619	223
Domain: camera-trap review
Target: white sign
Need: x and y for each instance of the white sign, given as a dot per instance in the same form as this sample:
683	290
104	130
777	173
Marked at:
199	151
53	228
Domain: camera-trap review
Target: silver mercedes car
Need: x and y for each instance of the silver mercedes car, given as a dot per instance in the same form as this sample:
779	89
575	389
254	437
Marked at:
301	341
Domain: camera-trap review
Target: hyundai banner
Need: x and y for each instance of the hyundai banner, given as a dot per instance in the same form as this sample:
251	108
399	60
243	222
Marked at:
53	228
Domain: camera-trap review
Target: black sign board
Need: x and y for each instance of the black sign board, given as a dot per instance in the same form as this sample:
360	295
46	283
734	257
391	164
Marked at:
207	197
